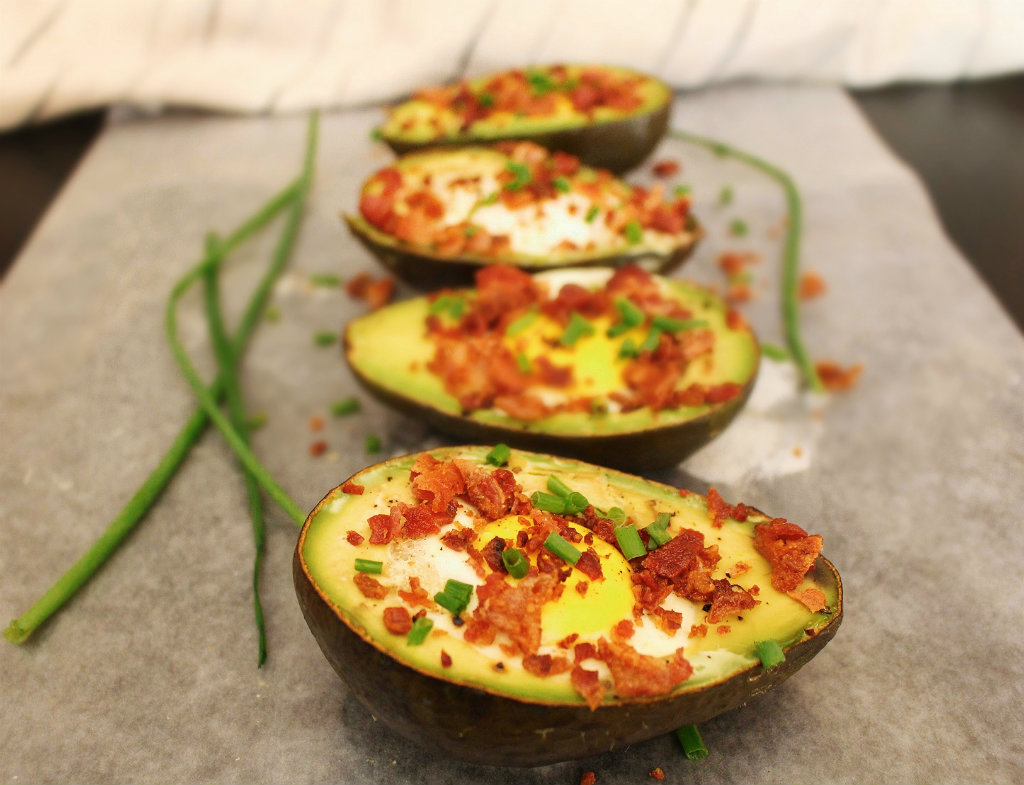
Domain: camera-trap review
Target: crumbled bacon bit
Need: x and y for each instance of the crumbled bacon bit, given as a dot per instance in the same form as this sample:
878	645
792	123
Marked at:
446	659
516	609
590	565
397	620
587	684
545	664
668	621
723	629
720	510
374	292
581	588
416	595
698	631
318	448
568	640
352	488
789	549
354	538
740	567
811	598
458	539
588	777
623	630
436	482
584	651
370	587
835	377
316	423
636	674
656	773
811	285
729	599
665	168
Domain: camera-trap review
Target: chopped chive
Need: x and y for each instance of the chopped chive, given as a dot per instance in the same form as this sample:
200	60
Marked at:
691	742
485	100
592	213
256	420
470	230
628	349
369	565
325	338
440	305
650	343
325	279
775	352
770	652
682	190
515	563
421	628
458	589
451	603
629	541
499	455
272	314
670	325
738	227
345	407
555	485
630	316
725	195
457	308
548	502
523	176
576	329
377	134
575	503
634	232
372	443
658	530
491	198
521	323
524	363
561	184
540	83
615	514
562	548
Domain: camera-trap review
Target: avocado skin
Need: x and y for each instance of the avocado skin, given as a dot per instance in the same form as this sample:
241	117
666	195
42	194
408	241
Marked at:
618	145
482	727
427	271
649	448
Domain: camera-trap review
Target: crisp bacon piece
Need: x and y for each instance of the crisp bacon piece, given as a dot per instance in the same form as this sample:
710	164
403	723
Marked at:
446	659
623	630
720	510
729	600
436	482
493	493
789	549
458	539
352	488
492	554
397	620
698	631
584	651
811	598
545	664
416	595
354	538
383	527
665	168
835	377
668	621
811	285
636	674
374	292
587	684
369	587
590	565
515	609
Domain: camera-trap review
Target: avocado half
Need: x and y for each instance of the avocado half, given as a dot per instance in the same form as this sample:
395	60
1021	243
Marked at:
475	195
388	351
478	703
603	136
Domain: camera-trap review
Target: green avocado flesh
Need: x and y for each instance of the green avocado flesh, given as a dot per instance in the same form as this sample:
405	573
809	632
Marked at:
603	136
445	667
566	222
389	351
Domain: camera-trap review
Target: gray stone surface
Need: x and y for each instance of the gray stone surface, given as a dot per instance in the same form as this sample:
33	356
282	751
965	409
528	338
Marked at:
914	478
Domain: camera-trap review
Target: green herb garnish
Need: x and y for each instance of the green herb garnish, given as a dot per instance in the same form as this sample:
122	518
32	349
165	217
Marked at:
515	563
369	565
670	325
634	232
630	316
325	279
738	227
562	548
629	541
650	343
421	628
548	502
372	443
592	213
770	652
775	352
725	195
523	363
658	530
577	328
521	323
561	184
325	338
345	407
256	420
499	455
691	742
523	176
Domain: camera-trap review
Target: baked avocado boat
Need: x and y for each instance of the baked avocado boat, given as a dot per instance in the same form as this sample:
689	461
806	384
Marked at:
435	217
608	117
517	609
618	367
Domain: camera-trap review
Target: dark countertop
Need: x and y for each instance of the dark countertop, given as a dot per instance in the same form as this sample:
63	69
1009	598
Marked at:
965	141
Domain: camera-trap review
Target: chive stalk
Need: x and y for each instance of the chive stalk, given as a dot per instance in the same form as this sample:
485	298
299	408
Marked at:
658	530
54	598
650	343
592	213
791	249
577	328
499	455
515	563
691	742
770	652
521	323
670	325
548	502
421	628
369	565
630	316
562	548
629	541
555	485
345	407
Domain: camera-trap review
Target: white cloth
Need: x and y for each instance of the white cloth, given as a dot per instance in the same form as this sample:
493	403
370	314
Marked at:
260	56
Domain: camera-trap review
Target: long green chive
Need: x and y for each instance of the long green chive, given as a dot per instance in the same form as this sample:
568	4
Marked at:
682	190
770	652
658	530
369	565
561	184
548	502
345	407
775	352
634	232
227	366
326	280
650	343
629	541
691	742
791	252
523	363
421	628
555	485
522	173
521	323
491	198
515	563
670	325
371	443
499	455
630	316
592	213
562	548
628	349
325	338
53	599
577	328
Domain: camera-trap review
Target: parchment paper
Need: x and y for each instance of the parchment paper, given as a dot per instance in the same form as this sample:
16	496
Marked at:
914	477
